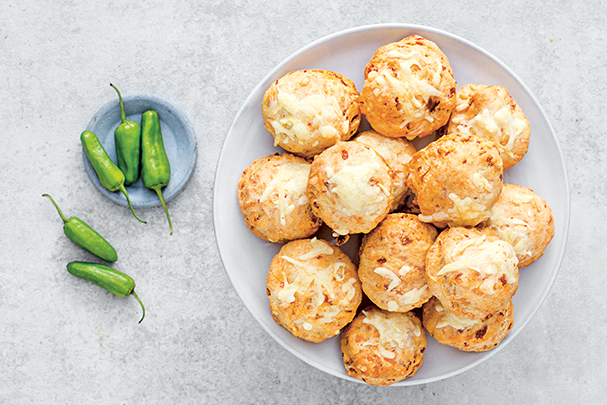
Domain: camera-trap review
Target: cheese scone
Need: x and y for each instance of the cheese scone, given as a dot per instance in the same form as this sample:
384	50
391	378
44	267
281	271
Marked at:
467	334
382	348
472	271
523	219
392	265
350	188
490	112
397	152
273	200
456	180
306	111
313	289
409	89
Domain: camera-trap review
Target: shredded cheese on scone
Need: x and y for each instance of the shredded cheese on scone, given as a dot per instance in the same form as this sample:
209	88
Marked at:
322	111
323	282
395	331
289	186
448	319
352	184
492	260
413	91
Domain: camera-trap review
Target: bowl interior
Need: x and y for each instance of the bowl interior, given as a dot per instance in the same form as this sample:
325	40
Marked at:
179	143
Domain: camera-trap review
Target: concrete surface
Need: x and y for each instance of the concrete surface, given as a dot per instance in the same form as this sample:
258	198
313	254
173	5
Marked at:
68	342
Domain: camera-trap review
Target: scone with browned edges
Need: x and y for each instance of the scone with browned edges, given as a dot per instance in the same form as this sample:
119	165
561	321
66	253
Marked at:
409	89
350	188
456	180
313	289
523	219
306	111
273	200
397	152
472	271
467	334
490	112
382	348
392	265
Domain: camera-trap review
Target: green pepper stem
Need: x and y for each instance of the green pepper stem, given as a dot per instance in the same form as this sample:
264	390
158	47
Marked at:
121	188
56	206
122	114
140	303
166	211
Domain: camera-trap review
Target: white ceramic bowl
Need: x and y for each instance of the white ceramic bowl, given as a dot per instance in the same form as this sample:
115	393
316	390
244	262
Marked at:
247	258
179	143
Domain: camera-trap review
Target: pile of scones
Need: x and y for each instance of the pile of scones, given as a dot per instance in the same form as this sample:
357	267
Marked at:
443	237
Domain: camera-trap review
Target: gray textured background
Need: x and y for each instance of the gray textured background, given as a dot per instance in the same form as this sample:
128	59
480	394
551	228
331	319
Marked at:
65	341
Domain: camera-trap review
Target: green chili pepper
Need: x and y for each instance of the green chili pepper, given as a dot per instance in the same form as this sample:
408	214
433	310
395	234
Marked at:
106	277
86	237
128	146
155	167
110	176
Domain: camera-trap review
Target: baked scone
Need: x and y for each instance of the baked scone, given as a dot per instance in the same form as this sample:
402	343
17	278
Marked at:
272	194
472	271
490	112
456	180
306	111
350	188
523	219
313	289
392	265
467	334
397	152
382	348
409	89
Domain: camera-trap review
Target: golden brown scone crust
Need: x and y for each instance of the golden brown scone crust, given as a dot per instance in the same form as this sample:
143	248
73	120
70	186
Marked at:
313	289
456	180
306	111
463	333
523	219
490	112
273	199
409	90
392	266
472	271
397	152
382	348
350	188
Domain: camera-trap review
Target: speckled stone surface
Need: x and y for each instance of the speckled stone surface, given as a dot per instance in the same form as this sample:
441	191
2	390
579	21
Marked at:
65	341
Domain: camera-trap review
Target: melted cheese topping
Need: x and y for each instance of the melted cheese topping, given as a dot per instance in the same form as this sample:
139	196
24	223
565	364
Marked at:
405	270
394	279
492	124
318	248
289	186
413	91
395	331
327	282
466	211
513	230
492	260
413	296
353	186
448	319
322	112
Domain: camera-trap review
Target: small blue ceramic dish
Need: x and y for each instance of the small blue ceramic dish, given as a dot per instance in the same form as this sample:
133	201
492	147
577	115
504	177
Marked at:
179	143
